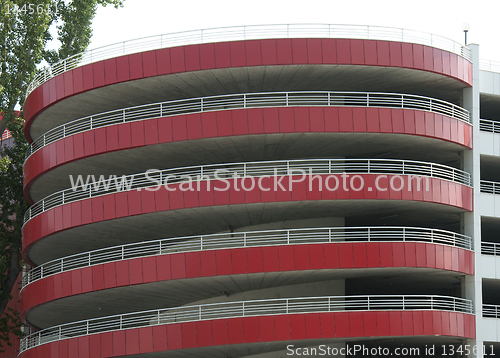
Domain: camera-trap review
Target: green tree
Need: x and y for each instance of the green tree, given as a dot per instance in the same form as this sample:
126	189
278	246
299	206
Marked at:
24	34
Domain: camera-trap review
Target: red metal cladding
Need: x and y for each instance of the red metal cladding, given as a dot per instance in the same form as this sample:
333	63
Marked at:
244	261
104	208
244	53
254	330
244	122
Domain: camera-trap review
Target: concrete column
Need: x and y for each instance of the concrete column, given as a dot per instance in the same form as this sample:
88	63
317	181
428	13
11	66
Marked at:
472	221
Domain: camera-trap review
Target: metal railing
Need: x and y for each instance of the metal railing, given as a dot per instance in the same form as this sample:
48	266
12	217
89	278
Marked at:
253	32
246	309
491	311
490	248
248	100
154	178
488	65
246	239
487	125
489	187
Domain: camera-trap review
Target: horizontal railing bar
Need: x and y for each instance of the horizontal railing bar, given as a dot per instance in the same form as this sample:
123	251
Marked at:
489	187
256	169
488	65
247	100
486	125
244	309
236	33
246	239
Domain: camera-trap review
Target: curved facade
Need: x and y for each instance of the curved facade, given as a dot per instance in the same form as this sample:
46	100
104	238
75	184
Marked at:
256	196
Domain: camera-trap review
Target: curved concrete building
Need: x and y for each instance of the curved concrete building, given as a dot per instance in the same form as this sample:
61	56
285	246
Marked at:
263	191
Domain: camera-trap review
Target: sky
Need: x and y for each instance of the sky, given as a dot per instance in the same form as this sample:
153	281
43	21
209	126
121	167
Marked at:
140	18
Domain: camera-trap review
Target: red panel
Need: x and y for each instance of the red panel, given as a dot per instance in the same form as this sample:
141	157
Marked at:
254	55
428	325
88	79
135	269
122	68
398	254
193	266
299	51
407	323
100	140
314	54
151	131
345	119
160	338
109	275
373	254
124	136
383	53
208	267
188	335
146	340
342	324
271	120
385	120
383	324
418	56
163	61
76	282
410	254
297	327
88	140
282	327
149	269
86	279
284	51
192	58
251	329
395	323
313	327
453	324
346	255
98	74
109	206
147	201
238	53
369	324
269	55
301	257
95	345
106	344
255	259
63	349
266	329
235	330
204	332
73	347
327	324
224	266
438	60
286	260
370	51
122	273
136	70
359	119
174	336
111	138
149	63
132	341
439	256
239	261
110	71
428	58
219	328
286	120
386	256
437	323
395	54
360	254
332	255
407	51
222	55
270	258
137	129
356	324
68	83
343	52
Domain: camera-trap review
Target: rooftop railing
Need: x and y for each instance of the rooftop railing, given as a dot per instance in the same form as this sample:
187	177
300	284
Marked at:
487	65
245	309
155	178
247	239
248	100
238	33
